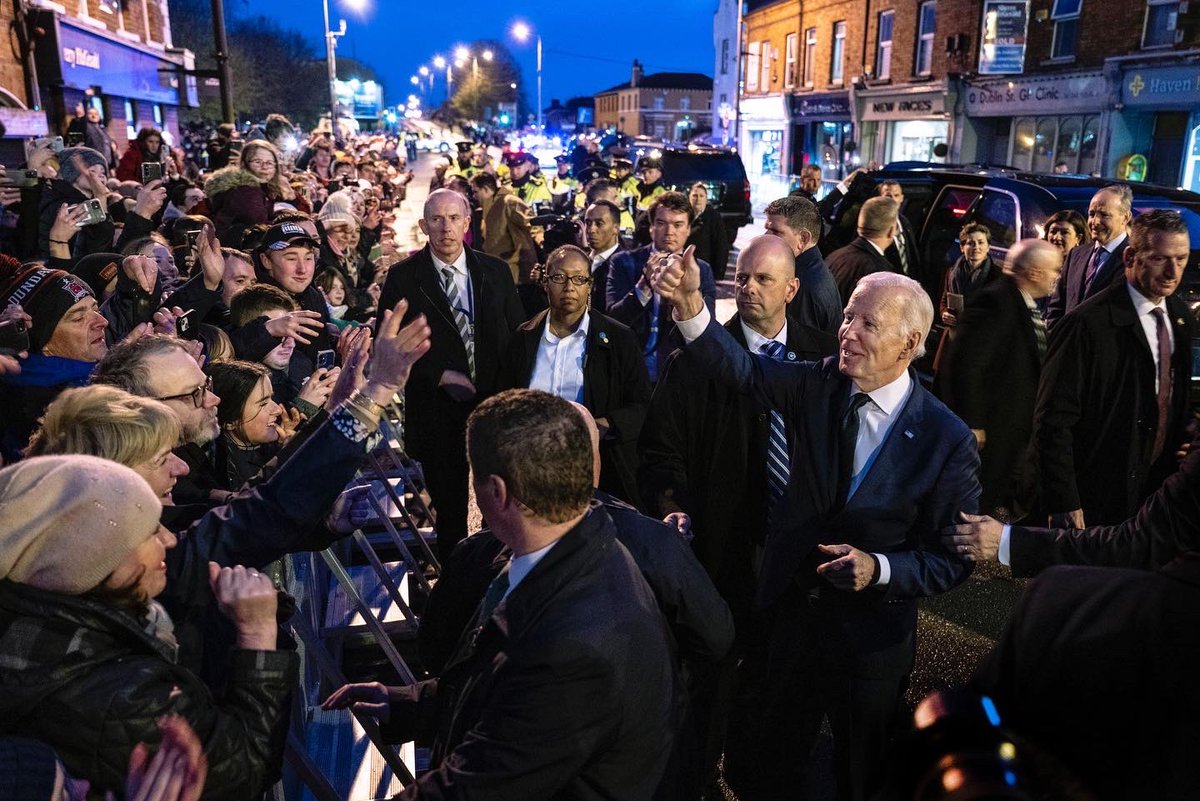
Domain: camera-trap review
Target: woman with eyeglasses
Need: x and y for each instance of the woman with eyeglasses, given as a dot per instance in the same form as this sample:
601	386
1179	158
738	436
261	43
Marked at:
239	195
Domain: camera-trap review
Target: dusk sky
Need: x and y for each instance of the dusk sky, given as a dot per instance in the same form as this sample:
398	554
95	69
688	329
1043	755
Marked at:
586	46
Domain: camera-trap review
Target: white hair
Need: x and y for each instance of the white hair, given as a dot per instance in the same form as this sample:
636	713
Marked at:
916	309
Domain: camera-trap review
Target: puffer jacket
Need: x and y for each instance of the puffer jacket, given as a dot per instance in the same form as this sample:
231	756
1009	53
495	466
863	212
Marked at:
91	682
236	198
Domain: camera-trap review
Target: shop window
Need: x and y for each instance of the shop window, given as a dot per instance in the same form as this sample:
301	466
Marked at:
998	213
752	51
1087	145
1043	145
883	49
1160	23
1022	156
810	56
1070	130
837	65
130	120
1065	14
926	32
789	61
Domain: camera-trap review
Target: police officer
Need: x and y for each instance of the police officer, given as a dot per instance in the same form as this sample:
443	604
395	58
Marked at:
462	160
563	180
651	185
526	184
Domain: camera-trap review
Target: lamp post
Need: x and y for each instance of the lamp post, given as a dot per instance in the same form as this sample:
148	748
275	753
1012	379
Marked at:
331	65
522	32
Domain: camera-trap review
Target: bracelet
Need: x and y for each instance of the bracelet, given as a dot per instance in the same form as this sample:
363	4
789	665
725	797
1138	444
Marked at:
366	404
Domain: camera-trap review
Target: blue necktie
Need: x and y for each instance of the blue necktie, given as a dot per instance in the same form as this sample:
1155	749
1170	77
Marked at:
1095	265
651	352
778	453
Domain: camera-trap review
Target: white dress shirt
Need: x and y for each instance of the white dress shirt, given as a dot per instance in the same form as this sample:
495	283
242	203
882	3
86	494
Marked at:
558	367
520	566
462	279
875	419
603	256
755	340
1144	308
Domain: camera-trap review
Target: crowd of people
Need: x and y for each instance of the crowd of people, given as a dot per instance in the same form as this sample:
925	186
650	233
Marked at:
703	540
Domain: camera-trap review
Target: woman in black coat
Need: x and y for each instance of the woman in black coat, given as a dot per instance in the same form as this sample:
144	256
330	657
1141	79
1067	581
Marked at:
708	232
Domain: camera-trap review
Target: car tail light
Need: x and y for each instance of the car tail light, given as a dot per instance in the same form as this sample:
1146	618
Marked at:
746	189
957	212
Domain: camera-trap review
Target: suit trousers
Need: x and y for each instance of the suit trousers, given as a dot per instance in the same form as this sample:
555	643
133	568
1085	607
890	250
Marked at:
446	474
785	689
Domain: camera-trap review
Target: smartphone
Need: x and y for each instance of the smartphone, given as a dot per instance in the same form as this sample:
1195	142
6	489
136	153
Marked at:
151	171
14	337
187	326
94	213
192	237
21	178
325	359
74	139
954	302
55	143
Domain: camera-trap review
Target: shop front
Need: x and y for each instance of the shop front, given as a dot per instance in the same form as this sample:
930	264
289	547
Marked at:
1160	122
1036	123
765	142
133	85
904	123
822	133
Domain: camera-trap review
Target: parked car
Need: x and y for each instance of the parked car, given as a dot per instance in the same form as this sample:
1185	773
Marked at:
720	169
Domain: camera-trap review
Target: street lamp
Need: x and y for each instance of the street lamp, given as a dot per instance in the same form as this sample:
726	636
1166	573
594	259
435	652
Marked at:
521	31
331	38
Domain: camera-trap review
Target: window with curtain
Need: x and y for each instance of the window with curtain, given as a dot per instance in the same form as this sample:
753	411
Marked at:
927	29
752	51
883	47
810	56
1160	23
837	64
789	60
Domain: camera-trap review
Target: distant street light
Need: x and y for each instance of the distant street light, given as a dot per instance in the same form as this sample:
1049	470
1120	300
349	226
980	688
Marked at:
522	32
461	53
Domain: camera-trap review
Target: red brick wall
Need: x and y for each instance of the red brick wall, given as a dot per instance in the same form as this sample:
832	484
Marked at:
12	74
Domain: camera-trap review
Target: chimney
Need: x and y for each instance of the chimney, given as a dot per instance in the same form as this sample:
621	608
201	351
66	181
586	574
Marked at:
637	73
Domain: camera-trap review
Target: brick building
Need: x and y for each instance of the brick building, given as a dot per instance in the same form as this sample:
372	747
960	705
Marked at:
1077	83
664	105
115	55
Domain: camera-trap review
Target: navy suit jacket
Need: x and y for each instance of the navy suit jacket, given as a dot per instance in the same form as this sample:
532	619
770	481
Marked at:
926	471
624	305
1069	292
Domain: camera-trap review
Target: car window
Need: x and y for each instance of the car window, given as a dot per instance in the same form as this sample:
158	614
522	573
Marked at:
682	169
998	213
939	240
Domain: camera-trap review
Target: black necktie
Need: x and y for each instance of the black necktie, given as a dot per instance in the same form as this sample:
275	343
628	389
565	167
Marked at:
847	440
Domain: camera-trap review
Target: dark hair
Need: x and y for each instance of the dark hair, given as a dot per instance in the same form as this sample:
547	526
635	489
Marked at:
671	201
325	279
484	180
233	382
882	184
188	222
140	142
177	191
800	213
129	597
124	365
290	215
596	187
1163	221
614	211
974	228
234	253
251	237
154	237
539	445
255	300
1071	218
276	126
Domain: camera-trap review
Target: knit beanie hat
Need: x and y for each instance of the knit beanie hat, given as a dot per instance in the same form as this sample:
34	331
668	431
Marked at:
45	295
97	270
338	209
69	521
28	770
69	171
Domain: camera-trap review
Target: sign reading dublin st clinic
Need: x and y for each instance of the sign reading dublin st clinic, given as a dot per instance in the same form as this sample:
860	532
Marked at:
1069	94
1005	24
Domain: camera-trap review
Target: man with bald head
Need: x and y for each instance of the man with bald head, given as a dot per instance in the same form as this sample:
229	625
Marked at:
865	255
1001	338
472	307
876	467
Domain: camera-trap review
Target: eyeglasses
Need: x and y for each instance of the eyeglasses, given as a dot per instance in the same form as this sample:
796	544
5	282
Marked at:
576	280
197	396
261	162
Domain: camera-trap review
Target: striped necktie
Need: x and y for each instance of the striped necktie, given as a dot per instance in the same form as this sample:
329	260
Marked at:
901	250
465	329
778	453
1039	331
1095	264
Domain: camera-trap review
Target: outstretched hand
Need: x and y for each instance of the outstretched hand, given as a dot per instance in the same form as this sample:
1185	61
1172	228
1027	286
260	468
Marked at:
676	279
370	699
395	351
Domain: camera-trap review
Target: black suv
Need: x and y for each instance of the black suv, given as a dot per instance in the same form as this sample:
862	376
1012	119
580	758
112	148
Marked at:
721	171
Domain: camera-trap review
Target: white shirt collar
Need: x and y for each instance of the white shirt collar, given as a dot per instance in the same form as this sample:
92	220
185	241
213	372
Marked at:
755	340
1115	243
459	265
605	255
1142	304
553	339
889	397
878	249
520	566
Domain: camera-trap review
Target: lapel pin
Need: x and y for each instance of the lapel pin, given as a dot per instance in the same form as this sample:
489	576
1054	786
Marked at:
603	337
791	356
1178	321
908	433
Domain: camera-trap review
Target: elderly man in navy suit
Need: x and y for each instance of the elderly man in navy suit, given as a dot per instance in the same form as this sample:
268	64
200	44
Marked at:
878	466
1094	266
631	300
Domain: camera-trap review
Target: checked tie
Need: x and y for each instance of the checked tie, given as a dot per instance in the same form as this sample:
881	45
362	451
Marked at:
460	317
778	453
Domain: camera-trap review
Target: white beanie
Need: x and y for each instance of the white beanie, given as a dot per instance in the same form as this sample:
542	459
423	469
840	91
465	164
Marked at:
70	521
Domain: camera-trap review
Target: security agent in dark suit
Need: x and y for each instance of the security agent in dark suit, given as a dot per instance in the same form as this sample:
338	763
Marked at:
1113	398
865	255
471	304
602	231
903	253
1001	340
583	356
1098	667
878	467
563	686
817	303
1094	266
630	298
